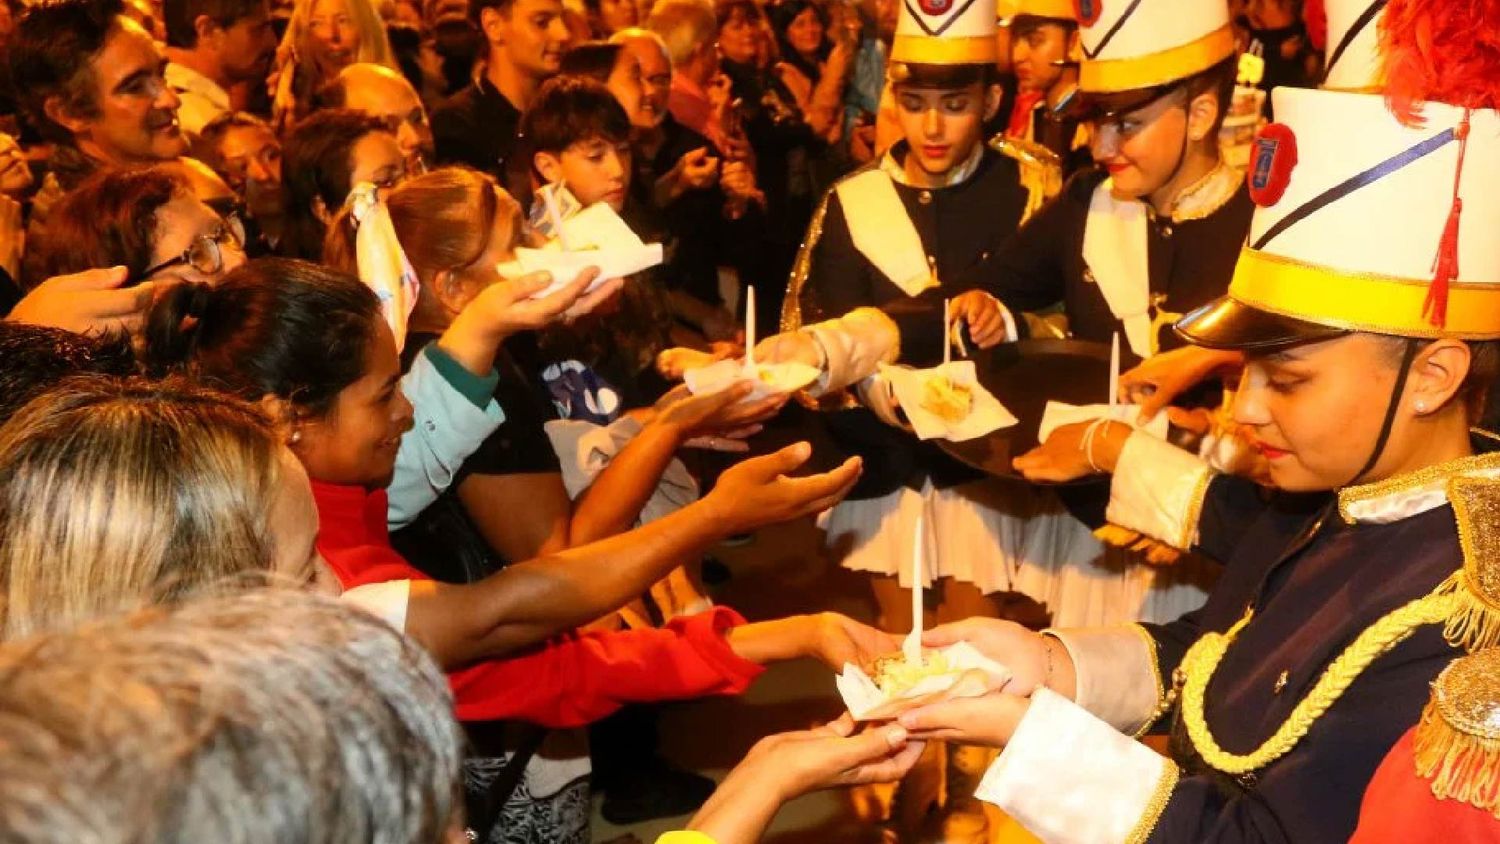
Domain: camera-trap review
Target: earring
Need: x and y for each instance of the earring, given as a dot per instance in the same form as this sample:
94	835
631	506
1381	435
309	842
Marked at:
1421	406
296	437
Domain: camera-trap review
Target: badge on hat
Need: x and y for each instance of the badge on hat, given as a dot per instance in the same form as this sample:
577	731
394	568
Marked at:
945	32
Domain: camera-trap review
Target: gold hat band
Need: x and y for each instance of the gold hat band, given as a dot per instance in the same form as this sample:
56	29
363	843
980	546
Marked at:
920	49
1358	301
1110	76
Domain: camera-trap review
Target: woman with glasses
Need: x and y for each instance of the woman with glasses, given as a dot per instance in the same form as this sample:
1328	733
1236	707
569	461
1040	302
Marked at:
327	155
147	220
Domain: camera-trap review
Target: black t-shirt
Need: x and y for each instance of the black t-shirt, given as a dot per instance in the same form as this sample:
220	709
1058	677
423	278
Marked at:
479	127
442	541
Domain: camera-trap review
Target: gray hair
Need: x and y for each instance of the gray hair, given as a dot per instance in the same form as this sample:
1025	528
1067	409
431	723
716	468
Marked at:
685	26
274	717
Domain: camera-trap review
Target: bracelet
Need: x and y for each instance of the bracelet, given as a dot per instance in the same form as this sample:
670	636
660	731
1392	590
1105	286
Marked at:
1047	649
1087	445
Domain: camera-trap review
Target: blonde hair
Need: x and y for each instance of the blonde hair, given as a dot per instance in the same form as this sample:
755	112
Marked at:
299	80
116	494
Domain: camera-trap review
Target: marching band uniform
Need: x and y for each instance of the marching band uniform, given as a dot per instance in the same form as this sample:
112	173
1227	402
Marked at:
1046	118
1336	610
880	257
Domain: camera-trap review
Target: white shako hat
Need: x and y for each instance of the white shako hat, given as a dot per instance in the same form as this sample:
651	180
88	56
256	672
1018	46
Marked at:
1352	61
1130	45
1357	226
1377	212
945	32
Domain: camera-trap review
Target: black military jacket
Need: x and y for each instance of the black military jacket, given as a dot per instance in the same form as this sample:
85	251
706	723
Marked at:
1314	582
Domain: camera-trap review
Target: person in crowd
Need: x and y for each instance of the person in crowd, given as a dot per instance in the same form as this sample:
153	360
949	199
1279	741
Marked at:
89	80
512	497
381	92
147	220
677	175
862	98
1276	30
689	30
326	155
815	62
1351	585
282	716
606	17
38	357
243	150
420	62
477	126
324	37
483	692
617	69
213	46
1044	51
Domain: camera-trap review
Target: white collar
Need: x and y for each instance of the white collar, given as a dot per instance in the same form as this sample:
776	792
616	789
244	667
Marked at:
1413	493
957	176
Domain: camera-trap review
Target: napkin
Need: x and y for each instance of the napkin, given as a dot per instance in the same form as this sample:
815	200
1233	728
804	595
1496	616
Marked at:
596	237
985	415
770	378
1058	414
866	702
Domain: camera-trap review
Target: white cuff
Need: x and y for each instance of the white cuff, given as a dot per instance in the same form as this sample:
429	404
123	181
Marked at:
1118	679
877	394
1069	778
1158	490
387	600
855	345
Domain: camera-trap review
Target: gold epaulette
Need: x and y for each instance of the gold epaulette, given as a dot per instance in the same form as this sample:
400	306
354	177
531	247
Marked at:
1457	745
1041	169
1474	623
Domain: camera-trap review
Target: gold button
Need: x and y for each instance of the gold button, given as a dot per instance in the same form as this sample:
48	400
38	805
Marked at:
925	197
1280	683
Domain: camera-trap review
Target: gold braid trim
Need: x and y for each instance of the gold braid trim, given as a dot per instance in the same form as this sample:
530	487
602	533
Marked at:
1155	806
1203	659
1457	744
1475	623
1161	688
1041	170
791	306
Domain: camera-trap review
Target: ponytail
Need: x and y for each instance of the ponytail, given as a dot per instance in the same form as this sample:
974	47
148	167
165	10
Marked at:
172	327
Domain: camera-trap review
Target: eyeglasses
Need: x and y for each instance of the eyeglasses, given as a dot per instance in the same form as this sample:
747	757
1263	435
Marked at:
205	254
232	210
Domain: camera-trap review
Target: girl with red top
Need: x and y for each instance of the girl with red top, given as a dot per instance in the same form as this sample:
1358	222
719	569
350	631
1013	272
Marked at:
309	345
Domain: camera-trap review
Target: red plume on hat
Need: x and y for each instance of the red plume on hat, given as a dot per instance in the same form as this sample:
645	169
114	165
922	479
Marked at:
1315	16
1442	51
1445	51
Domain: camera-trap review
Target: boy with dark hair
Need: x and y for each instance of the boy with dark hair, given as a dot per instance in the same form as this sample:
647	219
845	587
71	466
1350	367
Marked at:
578	136
212	46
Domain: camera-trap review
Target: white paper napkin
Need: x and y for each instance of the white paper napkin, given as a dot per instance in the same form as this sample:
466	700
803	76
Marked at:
770	379
596	237
1058	414
866	702
985	415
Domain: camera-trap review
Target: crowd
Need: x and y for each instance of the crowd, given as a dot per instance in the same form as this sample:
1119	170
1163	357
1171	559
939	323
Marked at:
320	521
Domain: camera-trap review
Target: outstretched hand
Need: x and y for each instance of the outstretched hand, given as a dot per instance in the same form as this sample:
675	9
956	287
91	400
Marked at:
757	492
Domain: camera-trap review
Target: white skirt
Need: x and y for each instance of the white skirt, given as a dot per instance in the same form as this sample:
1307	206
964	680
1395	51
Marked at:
1012	537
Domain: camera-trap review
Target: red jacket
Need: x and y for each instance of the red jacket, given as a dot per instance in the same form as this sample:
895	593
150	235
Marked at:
1399	807
571	680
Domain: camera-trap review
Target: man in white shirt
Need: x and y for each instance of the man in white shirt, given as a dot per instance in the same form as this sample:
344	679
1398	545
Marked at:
212	45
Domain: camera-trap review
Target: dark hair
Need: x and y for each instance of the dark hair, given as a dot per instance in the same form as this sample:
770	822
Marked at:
569	109
292	329
782	13
38	358
477	7
728	10
179	16
206	146
1023	24
109	220
593	59
1478	384
49	55
942	75
315	164
1217	80
406	46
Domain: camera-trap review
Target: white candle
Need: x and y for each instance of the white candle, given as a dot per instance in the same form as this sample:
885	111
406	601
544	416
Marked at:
750	328
1114	369
912	647
947	336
